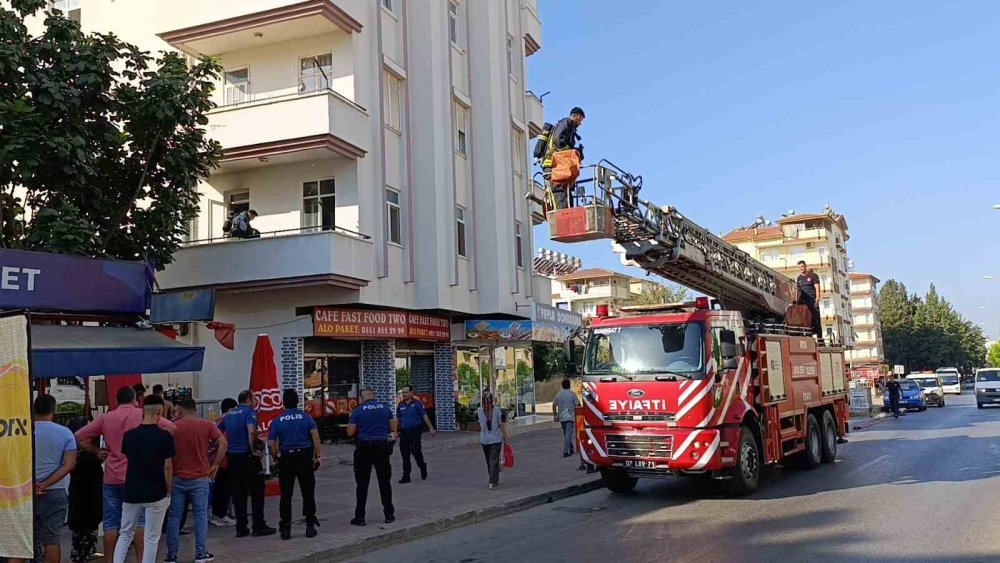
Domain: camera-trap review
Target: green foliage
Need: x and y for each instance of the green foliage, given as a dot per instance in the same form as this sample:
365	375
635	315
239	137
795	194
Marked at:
668	293
107	143
993	358
465	413
550	360
403	377
926	334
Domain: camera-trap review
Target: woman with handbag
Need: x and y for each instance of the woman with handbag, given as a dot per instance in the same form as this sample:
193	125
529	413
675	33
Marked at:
492	435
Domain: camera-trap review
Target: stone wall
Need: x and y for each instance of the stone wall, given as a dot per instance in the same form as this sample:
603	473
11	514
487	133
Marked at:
444	387
291	358
378	368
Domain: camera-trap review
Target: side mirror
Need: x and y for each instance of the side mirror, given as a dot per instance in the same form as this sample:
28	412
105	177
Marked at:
729	351
730	363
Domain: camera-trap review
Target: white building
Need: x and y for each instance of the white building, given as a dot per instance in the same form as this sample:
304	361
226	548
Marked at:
384	145
584	290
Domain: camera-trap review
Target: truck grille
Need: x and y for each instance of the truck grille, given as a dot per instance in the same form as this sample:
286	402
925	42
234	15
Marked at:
639	445
626	417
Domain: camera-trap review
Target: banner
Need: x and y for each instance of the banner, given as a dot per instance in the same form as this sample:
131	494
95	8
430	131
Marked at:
16	471
339	322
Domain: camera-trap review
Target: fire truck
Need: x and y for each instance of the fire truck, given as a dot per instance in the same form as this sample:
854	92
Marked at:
719	387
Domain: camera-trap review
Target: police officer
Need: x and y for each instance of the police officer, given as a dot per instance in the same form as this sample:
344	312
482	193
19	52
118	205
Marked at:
411	416
294	442
371	425
244	470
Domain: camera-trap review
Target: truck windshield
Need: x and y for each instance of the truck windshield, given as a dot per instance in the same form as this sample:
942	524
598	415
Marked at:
644	351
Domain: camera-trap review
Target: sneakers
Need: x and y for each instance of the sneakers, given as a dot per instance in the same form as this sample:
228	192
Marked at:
423	473
390	519
206	558
170	559
358	522
404	480
223	522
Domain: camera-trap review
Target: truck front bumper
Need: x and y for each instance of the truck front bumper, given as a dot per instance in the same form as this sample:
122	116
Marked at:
659	452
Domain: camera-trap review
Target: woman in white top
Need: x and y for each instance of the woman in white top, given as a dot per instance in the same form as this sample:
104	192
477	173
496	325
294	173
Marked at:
492	435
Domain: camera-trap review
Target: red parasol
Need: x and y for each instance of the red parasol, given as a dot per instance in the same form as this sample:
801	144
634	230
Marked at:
264	384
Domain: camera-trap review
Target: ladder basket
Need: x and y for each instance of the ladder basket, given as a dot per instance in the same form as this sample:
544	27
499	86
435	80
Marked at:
579	224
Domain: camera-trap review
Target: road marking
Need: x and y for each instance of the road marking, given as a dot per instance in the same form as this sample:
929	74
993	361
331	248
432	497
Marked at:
864	466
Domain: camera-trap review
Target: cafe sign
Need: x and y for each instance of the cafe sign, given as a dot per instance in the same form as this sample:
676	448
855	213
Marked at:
338	322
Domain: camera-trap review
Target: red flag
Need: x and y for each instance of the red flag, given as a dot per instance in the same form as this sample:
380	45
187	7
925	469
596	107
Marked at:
225	333
264	384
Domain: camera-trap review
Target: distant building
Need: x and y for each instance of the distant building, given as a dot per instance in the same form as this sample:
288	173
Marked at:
868	346
820	240
584	290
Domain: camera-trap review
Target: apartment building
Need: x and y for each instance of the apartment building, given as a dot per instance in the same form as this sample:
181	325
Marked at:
820	240
868	346
582	291
384	144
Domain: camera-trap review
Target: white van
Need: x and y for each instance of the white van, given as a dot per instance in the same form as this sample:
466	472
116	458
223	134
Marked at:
952	380
987	388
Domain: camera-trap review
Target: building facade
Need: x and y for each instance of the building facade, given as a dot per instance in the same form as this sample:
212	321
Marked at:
819	239
384	145
868	346
584	290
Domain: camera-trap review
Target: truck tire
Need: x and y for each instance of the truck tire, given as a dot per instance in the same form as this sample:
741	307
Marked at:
812	456
829	437
746	474
618	481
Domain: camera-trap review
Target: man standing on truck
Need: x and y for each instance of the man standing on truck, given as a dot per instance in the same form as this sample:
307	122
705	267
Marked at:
808	283
563	137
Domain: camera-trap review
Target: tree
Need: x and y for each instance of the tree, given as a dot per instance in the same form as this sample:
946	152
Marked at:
669	293
993	358
106	143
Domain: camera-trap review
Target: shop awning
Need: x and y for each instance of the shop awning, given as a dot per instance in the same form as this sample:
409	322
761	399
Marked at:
68	351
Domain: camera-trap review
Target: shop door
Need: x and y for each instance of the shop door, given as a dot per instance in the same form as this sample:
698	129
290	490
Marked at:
331	392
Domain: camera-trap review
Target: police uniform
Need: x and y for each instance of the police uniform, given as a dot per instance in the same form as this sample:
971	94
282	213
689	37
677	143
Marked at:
411	422
293	432
372	449
244	469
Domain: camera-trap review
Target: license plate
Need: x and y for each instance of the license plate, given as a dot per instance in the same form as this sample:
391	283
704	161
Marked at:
640	463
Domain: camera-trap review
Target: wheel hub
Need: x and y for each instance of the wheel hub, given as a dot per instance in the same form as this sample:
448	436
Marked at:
748	461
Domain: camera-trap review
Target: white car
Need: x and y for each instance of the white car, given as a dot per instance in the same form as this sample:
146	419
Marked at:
930	384
952	380
987	388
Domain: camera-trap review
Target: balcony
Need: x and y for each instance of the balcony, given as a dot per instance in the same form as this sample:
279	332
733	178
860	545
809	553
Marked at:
310	125
278	259
532	26
535	111
213	28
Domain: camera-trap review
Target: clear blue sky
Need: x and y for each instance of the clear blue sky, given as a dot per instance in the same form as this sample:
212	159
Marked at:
888	111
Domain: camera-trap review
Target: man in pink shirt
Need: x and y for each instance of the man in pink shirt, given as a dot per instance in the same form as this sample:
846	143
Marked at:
113	426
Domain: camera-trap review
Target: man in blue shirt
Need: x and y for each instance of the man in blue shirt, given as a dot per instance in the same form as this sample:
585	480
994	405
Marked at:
411	416
244	467
55	457
294	441
370	425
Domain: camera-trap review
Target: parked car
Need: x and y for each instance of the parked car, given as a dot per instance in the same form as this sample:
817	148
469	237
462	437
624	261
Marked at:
952	379
932	387
987	388
911	396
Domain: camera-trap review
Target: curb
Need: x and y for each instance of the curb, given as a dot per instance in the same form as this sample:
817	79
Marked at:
466	518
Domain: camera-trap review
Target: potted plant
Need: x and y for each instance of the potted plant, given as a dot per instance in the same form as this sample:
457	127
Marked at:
466	417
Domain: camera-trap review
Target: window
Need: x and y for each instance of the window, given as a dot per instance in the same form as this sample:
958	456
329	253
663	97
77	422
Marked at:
237	86
238	202
392	107
519	147
769	255
318	204
387	4
314	73
460	231
392	216
70	8
510	55
461	126
518	246
453	22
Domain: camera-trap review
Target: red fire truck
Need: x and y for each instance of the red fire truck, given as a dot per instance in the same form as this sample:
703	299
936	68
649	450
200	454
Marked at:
718	387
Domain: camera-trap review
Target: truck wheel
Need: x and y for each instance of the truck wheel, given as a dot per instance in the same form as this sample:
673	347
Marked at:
746	474
618	481
829	437
812	456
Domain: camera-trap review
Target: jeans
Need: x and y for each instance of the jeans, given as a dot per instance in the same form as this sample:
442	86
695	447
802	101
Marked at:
368	455
245	479
297	464
153	512
569	429
409	443
194	491
114	497
492	453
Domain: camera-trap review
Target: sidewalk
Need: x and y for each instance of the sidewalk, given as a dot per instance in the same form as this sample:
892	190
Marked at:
454	495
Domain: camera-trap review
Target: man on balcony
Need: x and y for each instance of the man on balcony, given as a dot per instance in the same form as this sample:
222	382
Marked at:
241	227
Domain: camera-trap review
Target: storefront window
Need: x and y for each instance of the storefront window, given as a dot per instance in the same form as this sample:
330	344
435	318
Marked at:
331	391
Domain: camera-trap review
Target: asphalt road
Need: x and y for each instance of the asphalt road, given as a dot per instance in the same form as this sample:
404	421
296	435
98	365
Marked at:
925	487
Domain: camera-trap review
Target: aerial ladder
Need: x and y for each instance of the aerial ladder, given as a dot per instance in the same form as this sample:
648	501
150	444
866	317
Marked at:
664	242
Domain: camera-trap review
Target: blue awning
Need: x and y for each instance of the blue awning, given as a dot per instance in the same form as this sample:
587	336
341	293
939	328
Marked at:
68	351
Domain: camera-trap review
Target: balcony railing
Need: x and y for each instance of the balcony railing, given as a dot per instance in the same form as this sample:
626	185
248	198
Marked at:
278	233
